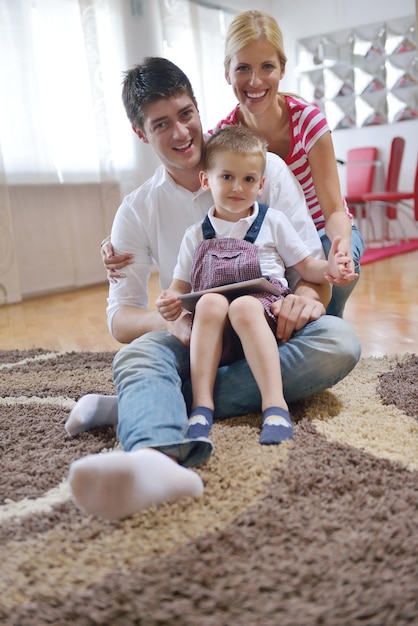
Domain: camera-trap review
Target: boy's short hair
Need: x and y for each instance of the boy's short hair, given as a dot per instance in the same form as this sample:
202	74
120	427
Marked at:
151	80
238	139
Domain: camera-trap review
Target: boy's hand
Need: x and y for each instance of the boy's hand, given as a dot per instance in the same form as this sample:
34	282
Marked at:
169	306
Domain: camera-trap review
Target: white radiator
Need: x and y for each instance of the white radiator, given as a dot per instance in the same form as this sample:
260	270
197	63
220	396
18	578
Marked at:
57	230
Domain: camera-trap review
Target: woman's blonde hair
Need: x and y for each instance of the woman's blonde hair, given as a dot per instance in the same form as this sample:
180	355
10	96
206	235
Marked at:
250	26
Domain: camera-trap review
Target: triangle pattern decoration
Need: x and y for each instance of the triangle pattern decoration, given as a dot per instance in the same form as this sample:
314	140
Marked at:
341	113
312	85
404	107
371	109
362	76
338	83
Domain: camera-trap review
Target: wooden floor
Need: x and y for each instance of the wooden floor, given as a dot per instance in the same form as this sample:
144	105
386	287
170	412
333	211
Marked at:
383	310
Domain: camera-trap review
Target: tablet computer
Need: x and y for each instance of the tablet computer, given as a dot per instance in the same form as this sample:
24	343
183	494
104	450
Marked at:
231	291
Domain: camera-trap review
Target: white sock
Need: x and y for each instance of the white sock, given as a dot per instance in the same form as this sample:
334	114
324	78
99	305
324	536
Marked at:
91	411
115	485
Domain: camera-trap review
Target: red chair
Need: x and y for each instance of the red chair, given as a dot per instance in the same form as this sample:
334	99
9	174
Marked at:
360	176
394	168
398	201
392	180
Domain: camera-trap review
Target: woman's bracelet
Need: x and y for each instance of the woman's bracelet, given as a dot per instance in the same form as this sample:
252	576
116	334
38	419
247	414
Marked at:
106	240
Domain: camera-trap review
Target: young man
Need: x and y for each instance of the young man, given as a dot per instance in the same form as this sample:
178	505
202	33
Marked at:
151	373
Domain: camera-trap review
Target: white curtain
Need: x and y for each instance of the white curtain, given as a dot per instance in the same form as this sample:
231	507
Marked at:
194	36
57	59
60	61
62	123
60	116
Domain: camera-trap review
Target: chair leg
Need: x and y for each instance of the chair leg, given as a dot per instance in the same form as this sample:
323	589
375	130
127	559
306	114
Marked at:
369	222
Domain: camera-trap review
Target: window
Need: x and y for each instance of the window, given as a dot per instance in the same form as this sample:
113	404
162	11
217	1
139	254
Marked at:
61	117
54	117
194	36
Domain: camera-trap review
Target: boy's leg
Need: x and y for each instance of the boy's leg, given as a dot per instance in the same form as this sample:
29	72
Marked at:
260	348
206	339
277	426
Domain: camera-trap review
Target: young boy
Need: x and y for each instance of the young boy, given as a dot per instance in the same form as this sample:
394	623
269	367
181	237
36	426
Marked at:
240	240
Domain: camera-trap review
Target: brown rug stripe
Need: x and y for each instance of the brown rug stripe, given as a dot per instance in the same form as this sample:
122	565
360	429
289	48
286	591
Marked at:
312	532
400	386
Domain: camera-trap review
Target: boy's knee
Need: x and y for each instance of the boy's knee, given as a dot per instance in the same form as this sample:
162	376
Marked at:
212	305
245	309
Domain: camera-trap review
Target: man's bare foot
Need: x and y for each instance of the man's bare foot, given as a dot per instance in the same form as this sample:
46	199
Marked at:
182	328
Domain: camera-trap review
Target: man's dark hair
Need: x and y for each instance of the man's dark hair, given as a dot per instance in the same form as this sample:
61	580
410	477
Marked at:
151	80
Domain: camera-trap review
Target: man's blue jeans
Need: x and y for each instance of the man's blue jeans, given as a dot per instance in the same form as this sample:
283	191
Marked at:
152	379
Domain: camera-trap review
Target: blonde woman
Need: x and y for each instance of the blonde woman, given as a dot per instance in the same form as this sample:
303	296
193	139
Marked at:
295	130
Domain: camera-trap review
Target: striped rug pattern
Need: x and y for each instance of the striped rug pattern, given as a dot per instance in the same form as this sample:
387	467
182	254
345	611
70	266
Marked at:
320	530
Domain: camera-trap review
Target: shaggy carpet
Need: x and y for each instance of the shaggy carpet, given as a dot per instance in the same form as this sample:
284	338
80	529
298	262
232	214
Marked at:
322	530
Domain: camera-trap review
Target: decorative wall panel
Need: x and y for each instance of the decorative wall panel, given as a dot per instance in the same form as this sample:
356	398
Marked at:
362	76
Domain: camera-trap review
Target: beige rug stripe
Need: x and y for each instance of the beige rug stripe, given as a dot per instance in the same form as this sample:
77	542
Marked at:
364	423
235	478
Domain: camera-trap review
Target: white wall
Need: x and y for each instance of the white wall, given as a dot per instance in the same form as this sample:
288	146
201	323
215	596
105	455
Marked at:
245	5
142	37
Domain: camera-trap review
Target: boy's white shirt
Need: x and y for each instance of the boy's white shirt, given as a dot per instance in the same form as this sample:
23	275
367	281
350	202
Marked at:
152	220
279	245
